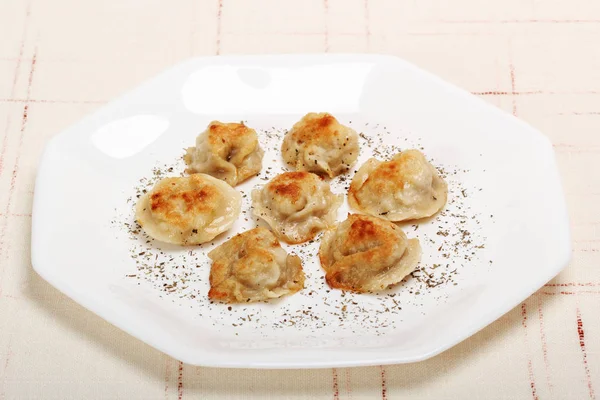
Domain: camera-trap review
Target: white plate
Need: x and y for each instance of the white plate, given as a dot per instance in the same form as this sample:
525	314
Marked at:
503	235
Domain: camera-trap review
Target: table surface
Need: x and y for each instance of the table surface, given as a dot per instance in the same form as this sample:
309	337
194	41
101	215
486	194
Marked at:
536	59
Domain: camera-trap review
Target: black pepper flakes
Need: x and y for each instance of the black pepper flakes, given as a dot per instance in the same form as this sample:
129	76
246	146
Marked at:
458	243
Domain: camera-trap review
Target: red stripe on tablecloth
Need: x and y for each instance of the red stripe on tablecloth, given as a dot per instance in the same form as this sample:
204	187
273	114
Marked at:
24	120
529	363
3	246
571	293
581	334
326	8
43	101
14	84
367	23
505	93
544	346
336	388
13	178
581	113
348	384
532	92
512	85
572	284
180	381
31	71
219	15
383	383
524	21
167	375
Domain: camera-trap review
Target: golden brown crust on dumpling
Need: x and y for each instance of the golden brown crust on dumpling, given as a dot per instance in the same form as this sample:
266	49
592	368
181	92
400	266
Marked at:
367	254
188	210
319	143
229	152
252	266
296	205
406	187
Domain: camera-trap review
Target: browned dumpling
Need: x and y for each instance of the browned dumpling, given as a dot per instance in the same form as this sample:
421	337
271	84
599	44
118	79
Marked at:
229	152
367	254
188	210
296	205
319	143
406	187
252	266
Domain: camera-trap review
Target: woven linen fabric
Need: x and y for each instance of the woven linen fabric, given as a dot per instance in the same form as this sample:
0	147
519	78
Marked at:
536	59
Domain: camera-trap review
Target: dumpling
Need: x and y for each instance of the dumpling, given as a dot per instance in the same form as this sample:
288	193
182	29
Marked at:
296	205
319	143
407	187
229	152
252	266
367	254
188	210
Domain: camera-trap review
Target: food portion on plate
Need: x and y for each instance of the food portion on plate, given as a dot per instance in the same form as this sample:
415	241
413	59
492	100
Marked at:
367	254
407	187
227	151
188	210
319	143
252	266
364	253
296	205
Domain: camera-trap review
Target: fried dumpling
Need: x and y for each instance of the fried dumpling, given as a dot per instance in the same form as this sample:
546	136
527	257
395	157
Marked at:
319	143
296	205
406	187
229	152
188	210
252	266
367	254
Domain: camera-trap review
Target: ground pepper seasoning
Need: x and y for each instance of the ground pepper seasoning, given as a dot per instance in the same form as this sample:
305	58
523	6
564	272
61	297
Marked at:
452	243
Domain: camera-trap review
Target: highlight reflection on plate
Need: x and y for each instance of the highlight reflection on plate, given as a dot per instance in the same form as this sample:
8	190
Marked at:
252	90
128	136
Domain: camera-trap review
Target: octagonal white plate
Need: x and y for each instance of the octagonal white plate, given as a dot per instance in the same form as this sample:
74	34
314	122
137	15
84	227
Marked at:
503	235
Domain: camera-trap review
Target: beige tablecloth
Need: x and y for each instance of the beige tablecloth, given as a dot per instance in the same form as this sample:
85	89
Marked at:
537	59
